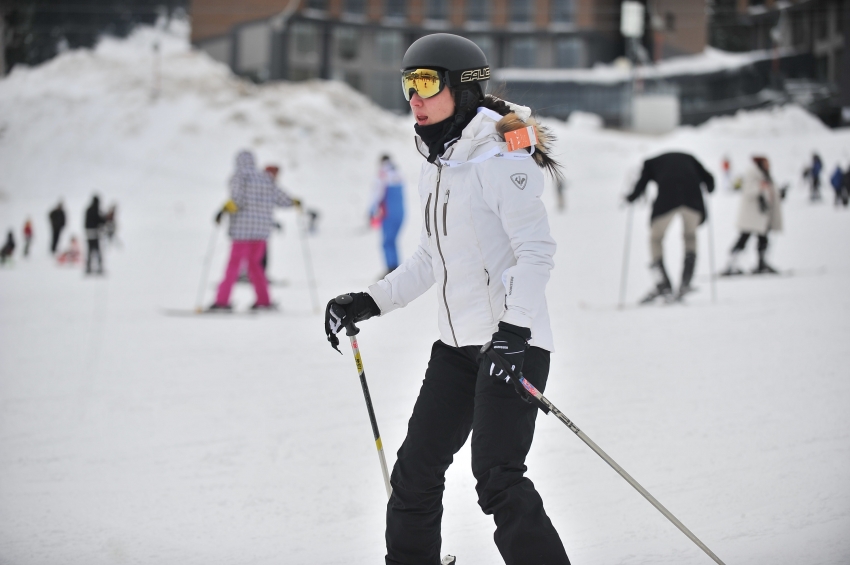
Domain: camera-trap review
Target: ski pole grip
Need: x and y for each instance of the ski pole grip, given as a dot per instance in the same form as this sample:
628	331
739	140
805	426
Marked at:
345	300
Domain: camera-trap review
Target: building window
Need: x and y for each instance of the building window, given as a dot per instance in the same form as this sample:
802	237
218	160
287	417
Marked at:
569	52
388	49
477	10
522	11
347	42
395	9
354	7
485	42
436	10
305	38
524	52
561	11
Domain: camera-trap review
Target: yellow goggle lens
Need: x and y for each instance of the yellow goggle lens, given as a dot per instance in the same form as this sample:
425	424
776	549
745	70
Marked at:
425	82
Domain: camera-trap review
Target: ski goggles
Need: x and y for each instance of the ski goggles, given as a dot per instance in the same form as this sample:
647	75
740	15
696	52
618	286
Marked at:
430	82
424	82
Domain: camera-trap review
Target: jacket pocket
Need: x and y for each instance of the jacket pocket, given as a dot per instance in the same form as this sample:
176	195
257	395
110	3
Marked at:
445	213
427	217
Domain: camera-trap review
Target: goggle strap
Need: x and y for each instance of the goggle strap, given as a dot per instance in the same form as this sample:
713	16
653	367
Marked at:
456	78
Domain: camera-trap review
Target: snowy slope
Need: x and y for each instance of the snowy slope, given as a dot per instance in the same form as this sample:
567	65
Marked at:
130	437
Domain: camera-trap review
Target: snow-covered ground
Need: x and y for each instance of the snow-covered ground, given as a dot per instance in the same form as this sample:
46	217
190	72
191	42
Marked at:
127	436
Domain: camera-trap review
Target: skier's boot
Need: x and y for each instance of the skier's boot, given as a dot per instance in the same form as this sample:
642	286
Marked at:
663	288
732	267
687	274
763	267
220	308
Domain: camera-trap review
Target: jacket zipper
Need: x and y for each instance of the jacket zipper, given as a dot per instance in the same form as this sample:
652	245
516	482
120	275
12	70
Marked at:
427	218
445	212
440	250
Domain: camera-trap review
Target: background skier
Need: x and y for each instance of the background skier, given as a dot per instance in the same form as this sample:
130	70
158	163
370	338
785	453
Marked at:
813	172
485	243
27	236
94	221
8	248
679	178
388	208
253	197
759	212
57	223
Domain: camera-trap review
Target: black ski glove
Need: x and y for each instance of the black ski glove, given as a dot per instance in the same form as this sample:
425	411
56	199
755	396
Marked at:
347	309
509	343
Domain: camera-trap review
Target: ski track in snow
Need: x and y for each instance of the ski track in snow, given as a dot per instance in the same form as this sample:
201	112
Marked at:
127	436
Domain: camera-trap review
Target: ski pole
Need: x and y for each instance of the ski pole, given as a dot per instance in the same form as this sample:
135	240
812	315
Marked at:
205	270
351	331
308	262
546	406
712	273
625	270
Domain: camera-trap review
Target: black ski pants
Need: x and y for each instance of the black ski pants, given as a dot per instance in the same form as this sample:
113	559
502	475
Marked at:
458	396
745	236
94	249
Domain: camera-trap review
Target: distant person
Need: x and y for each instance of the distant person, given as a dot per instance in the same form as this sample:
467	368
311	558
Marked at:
813	174
561	193
253	197
680	178
93	224
72	255
8	248
760	212
27	237
110	224
57	223
845	187
837	180
726	166
387	209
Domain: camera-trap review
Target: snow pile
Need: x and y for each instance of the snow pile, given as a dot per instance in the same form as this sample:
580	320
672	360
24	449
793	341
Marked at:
789	120
127	436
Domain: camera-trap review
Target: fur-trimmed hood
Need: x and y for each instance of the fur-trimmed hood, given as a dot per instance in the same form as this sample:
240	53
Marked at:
496	118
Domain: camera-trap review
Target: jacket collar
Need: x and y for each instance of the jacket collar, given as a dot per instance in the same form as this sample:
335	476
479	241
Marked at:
478	142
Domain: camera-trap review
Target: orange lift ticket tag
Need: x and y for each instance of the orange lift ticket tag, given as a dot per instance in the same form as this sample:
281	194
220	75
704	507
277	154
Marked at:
521	138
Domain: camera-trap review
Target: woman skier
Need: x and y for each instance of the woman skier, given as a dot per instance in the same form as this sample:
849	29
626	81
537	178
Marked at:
760	212
485	243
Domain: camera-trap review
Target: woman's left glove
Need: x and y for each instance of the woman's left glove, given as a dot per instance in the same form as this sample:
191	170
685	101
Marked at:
347	309
509	343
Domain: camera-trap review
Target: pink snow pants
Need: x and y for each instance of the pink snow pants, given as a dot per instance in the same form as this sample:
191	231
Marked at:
252	253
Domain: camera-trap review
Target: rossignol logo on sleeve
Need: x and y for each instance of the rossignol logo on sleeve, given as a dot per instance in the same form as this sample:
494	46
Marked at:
475	74
520	180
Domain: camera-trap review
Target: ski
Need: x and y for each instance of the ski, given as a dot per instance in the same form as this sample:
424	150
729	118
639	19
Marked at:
187	312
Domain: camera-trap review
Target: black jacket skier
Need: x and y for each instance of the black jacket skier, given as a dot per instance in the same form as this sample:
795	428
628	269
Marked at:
57	223
94	221
680	178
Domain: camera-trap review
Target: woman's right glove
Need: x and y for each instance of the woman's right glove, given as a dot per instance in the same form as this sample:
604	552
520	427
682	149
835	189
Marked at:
345	310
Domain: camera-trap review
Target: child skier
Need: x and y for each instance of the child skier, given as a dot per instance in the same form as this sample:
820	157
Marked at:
387	208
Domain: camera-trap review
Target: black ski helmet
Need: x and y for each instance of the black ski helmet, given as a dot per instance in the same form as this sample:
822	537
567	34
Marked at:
464	61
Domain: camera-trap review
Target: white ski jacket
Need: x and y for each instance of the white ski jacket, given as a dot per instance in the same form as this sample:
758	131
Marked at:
484	241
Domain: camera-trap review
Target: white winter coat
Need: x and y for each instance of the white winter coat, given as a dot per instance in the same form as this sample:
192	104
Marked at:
485	241
750	217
